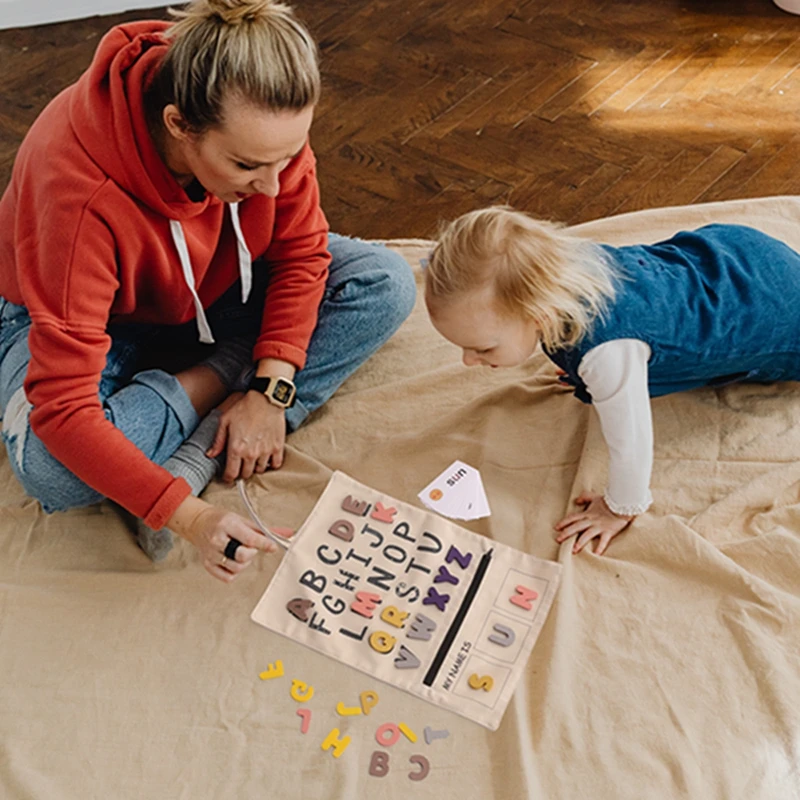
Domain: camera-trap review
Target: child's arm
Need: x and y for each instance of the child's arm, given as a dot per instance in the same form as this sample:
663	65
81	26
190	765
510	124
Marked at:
615	374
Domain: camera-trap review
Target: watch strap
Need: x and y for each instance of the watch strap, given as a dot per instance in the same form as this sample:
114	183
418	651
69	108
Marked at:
278	390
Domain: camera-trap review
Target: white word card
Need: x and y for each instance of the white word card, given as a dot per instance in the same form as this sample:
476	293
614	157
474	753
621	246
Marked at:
411	599
457	493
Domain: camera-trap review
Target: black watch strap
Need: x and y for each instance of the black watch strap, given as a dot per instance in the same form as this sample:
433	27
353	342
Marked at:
279	391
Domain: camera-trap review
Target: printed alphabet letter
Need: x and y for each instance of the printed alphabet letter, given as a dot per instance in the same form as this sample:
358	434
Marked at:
313	581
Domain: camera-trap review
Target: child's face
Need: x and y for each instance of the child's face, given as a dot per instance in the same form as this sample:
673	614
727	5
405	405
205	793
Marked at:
486	338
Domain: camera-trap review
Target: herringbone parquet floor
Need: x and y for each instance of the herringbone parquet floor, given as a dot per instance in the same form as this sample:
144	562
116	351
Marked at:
570	109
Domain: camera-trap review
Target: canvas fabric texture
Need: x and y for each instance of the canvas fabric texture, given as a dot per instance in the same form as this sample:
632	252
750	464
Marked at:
668	668
410	599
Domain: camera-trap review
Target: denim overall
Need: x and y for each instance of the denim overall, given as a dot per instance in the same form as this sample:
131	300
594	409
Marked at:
716	305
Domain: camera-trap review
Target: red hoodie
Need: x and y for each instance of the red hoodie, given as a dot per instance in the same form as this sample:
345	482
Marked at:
86	239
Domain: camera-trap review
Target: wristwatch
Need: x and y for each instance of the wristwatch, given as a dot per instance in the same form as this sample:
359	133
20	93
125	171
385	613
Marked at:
279	391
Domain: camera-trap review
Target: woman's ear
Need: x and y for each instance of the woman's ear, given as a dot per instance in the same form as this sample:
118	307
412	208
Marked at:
175	124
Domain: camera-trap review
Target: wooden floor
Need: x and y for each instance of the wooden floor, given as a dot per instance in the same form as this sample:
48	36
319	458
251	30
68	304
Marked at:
571	109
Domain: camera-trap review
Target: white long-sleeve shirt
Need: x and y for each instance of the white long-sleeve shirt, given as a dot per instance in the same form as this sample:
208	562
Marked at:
615	373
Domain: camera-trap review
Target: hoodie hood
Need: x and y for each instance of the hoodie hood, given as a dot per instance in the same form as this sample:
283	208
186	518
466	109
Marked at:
106	112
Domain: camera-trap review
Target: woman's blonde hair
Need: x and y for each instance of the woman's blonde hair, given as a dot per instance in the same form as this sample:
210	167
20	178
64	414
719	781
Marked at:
536	268
256	49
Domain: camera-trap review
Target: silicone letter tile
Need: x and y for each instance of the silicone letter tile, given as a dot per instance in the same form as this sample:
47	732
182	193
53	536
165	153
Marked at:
338	745
301	692
424	768
523	597
272	671
503	635
431	735
365	603
382	642
407	732
454	554
484	682
305	713
347	711
342	529
394	616
444	576
433	598
379	764
383	514
406	659
393	734
299	607
353	506
421	628
368	701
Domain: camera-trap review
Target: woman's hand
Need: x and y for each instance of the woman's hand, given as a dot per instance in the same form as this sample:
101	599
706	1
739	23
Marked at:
596	520
255	432
210	529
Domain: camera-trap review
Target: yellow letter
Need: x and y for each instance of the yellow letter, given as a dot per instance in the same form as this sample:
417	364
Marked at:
298	687
273	671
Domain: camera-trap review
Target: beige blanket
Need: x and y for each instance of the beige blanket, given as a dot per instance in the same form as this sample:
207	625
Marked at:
667	669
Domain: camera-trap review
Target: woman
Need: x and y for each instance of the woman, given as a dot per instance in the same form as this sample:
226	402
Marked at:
138	202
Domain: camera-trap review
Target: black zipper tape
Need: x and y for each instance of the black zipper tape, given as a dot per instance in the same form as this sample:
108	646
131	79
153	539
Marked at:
458	621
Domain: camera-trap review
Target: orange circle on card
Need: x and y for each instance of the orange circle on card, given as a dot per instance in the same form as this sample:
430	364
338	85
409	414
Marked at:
436	494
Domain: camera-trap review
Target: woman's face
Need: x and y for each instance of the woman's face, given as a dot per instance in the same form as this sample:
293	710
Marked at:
486	338
243	156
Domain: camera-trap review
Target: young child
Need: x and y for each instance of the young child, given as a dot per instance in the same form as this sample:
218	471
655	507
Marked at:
623	324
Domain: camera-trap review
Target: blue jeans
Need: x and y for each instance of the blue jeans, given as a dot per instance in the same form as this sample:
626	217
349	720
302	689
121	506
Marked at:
369	293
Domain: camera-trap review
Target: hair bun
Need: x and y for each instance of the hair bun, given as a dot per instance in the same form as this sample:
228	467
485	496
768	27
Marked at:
257	48
234	12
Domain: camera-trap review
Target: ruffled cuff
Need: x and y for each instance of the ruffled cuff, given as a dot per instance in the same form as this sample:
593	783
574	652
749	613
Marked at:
629	510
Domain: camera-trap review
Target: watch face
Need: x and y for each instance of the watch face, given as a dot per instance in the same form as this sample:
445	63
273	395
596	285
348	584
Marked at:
282	391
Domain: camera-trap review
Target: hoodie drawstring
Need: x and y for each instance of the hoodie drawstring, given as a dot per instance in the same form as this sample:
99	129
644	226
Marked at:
245	269
245	259
203	328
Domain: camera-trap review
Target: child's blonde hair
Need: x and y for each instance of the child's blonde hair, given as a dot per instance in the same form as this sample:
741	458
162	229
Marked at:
257	49
536	269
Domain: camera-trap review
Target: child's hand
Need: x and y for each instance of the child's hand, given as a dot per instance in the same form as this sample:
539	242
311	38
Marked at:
596	520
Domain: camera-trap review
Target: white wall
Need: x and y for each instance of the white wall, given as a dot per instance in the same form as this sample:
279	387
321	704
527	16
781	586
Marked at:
20	13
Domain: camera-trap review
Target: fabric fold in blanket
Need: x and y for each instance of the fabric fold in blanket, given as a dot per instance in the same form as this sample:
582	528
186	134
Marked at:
669	668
